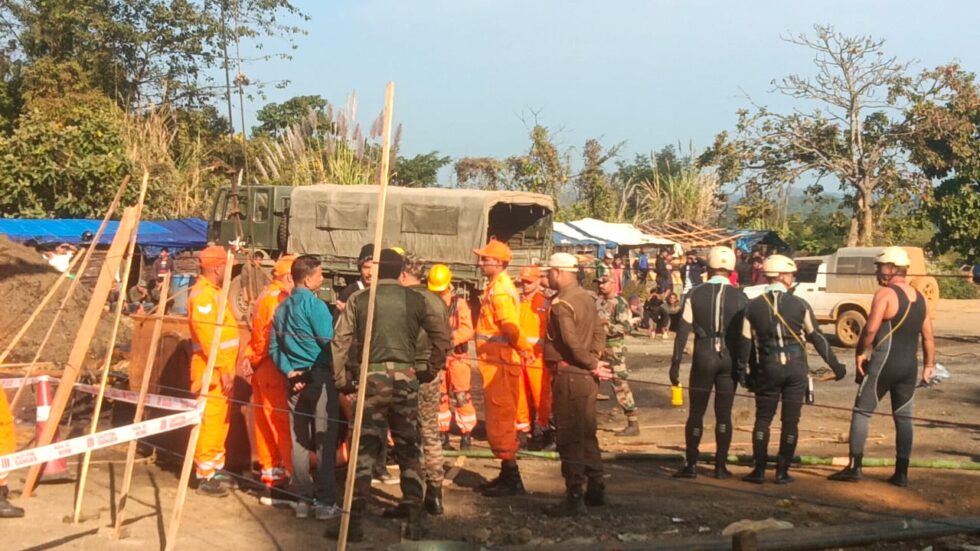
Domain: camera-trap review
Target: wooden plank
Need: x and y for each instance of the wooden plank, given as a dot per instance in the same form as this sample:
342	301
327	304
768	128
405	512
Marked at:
185	472
140	405
372	296
83	338
120	307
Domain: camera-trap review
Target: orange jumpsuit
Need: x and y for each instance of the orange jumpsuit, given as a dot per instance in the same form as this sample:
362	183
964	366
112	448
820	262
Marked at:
7	442
273	442
500	364
202	315
537	380
458	369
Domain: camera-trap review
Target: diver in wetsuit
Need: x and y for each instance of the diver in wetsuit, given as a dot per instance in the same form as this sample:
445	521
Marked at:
713	312
887	364
777	322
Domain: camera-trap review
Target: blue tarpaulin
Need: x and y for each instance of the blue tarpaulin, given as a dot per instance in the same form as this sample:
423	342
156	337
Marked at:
186	233
748	239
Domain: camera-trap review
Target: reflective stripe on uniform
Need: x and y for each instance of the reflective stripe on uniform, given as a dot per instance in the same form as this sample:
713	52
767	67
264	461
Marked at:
492	338
224	345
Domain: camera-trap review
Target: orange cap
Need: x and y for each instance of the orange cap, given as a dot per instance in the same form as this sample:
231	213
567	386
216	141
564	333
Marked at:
215	255
284	265
530	273
495	249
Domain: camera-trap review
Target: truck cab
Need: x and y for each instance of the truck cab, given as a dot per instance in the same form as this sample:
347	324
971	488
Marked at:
260	211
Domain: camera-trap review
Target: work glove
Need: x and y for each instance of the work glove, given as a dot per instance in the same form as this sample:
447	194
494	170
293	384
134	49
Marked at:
426	376
675	374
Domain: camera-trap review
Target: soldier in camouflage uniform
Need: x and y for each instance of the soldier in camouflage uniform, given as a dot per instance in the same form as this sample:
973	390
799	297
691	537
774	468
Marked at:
615	313
430	394
391	397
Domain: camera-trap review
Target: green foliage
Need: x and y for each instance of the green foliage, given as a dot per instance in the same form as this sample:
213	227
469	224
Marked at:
819	228
65	159
420	171
275	118
679	192
596	194
946	145
958	288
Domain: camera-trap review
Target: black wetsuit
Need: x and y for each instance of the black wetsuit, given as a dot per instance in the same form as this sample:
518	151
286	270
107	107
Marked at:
892	369
713	312
780	370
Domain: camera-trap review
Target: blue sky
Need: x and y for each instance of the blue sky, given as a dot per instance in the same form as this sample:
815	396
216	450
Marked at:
646	72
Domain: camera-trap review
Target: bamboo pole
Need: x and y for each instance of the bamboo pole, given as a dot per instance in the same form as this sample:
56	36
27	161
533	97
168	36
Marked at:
74	283
86	330
151	357
202	399
120	305
372	296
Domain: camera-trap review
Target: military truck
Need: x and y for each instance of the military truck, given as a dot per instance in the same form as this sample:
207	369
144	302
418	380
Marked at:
839	287
334	221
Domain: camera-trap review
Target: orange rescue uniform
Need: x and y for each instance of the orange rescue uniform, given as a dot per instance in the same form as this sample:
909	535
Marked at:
537	380
500	364
8	444
203	316
272	439
458	371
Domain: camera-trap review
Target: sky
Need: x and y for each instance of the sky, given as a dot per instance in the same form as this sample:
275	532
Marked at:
470	75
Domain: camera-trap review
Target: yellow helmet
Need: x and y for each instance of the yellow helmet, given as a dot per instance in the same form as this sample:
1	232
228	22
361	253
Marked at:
439	278
894	255
398	250
778	264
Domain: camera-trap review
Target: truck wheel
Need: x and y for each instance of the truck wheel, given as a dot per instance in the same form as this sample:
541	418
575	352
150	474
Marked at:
238	298
928	286
282	235
850	323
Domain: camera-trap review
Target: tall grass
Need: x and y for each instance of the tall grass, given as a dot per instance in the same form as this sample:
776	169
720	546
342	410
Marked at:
687	195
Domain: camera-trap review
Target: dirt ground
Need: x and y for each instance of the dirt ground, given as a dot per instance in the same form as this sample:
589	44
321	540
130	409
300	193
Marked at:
648	508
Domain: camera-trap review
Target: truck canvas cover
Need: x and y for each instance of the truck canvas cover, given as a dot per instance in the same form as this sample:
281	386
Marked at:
439	225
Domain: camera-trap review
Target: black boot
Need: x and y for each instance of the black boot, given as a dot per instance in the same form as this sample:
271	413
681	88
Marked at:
211	487
595	493
509	483
465	442
7	509
414	527
901	476
758	474
445	441
522	440
572	506
721	470
548	440
850	473
632	428
689	470
433	499
782	470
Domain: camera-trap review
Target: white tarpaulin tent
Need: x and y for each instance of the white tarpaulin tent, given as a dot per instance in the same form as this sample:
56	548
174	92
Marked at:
625	235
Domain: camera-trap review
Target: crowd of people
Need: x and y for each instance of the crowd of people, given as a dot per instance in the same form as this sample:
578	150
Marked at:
543	346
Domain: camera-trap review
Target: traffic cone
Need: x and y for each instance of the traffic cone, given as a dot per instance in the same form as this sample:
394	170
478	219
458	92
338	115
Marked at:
57	470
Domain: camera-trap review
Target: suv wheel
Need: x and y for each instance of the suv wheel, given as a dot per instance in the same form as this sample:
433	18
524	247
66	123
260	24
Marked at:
850	323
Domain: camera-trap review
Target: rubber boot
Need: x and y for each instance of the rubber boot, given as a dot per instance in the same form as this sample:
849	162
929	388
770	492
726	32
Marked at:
632	428
522	440
758	474
212	487
721	469
510	483
850	473
782	470
355	530
465	442
689	470
433	499
445	441
595	493
572	506
7	509
414	526
901	476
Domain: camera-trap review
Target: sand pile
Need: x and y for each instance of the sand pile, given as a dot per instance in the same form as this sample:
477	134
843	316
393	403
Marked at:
25	278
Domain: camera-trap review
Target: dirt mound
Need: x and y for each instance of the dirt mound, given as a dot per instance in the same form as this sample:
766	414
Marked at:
25	278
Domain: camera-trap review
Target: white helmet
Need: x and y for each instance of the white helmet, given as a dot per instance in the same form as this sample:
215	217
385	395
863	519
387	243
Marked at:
778	264
721	258
563	262
894	255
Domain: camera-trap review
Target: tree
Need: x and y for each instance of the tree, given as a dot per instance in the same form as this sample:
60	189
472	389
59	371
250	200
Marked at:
853	137
596	194
420	171
275	118
664	164
945	144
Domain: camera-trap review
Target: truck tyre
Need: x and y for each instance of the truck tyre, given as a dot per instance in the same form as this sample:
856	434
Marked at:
849	325
238	299
282	234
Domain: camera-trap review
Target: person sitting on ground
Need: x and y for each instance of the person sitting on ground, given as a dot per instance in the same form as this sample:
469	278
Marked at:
670	313
651	311
139	299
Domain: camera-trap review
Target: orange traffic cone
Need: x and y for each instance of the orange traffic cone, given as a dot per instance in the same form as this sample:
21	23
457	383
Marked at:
57	470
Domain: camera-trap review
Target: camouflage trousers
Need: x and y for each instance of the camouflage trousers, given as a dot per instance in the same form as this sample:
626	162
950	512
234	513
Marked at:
392	401
430	396
615	354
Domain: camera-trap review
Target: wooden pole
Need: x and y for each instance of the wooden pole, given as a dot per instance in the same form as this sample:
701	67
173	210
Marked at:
37	311
120	305
151	358
74	283
83	339
202	399
379	225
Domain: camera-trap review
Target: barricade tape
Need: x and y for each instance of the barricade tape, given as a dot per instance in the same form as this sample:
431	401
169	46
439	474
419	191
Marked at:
187	414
